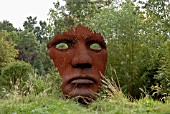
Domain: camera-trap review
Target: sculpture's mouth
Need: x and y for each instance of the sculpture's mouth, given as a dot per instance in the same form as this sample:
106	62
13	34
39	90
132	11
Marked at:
82	81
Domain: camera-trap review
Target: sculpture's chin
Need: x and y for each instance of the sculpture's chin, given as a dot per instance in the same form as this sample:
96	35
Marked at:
86	91
82	92
83	95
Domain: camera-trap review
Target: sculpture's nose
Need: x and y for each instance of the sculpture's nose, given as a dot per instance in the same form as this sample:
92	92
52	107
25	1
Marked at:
81	58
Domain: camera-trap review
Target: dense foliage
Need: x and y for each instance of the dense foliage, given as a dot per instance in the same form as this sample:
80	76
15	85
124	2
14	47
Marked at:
7	51
15	75
135	49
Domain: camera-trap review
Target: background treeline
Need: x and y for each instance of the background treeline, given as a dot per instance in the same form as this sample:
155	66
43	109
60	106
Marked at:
138	41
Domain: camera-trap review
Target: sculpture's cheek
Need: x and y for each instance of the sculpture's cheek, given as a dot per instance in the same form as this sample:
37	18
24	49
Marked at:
61	59
99	61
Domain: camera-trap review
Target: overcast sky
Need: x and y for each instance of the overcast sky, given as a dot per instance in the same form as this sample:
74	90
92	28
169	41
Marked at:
16	11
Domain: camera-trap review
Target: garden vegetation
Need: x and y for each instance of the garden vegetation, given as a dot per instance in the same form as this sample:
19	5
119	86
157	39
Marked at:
137	80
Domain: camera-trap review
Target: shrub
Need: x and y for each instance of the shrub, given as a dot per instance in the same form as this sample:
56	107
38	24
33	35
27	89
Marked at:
162	79
14	75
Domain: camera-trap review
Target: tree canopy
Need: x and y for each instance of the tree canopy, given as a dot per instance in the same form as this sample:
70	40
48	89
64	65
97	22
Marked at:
7	51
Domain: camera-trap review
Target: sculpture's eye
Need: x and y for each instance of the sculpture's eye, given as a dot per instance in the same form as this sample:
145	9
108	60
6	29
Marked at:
62	46
95	46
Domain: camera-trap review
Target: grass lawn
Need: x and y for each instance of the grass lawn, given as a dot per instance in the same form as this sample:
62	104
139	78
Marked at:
46	104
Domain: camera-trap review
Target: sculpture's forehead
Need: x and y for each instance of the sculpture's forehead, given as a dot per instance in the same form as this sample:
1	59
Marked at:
81	32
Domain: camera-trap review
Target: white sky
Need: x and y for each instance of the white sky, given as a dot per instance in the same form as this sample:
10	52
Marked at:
16	11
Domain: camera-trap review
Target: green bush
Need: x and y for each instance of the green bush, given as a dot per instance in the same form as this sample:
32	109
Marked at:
15	75
162	85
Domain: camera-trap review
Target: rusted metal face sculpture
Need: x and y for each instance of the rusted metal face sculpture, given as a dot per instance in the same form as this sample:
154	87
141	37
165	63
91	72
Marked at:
80	56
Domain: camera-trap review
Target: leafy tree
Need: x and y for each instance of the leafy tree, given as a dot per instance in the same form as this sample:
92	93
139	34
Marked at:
162	78
45	59
74	12
6	25
13	37
159	18
7	51
158	11
31	51
27	46
41	31
30	23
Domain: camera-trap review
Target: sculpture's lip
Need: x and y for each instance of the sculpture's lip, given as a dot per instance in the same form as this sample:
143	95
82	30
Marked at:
82	81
